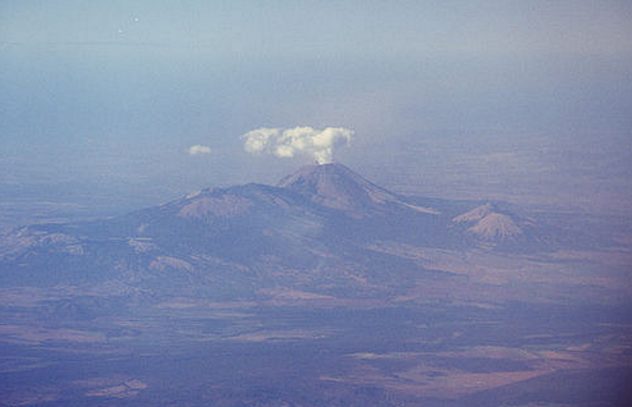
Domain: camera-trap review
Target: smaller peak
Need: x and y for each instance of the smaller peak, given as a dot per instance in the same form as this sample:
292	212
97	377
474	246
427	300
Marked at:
491	223
496	226
477	213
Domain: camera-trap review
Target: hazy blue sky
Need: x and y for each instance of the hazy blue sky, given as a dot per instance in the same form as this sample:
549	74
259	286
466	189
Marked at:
109	95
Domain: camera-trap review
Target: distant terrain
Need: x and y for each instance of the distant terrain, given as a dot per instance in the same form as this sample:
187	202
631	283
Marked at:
325	289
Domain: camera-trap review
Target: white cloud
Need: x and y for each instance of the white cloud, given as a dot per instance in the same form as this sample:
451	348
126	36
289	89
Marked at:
199	149
257	140
287	143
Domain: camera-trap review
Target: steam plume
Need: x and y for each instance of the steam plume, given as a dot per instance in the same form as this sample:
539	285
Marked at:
286	143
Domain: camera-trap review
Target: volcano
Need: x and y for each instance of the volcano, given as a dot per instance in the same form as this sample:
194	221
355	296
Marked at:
312	231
